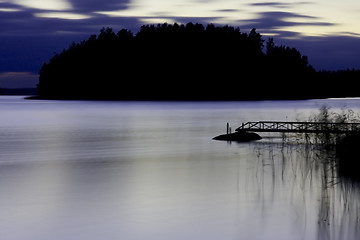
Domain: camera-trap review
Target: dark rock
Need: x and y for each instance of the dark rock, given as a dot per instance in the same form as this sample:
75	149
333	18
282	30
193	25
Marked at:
240	136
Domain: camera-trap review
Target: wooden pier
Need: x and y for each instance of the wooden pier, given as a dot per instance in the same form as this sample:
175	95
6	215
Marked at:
299	127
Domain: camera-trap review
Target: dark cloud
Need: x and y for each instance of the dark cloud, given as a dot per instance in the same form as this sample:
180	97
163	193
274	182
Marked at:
14	23
9	5
228	10
271	22
271	4
278	4
96	5
26	23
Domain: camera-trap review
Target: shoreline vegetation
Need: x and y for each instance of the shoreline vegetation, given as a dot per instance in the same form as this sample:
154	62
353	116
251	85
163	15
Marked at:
339	150
187	62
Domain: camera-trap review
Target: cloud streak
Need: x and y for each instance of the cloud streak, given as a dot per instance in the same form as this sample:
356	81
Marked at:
273	22
84	17
279	4
38	22
88	6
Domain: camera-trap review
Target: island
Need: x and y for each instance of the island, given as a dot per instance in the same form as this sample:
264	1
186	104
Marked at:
186	62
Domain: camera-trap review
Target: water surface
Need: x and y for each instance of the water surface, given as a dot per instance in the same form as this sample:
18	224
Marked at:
150	170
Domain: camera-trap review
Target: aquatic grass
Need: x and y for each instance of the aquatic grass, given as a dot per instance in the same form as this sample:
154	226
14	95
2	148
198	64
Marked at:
312	160
307	168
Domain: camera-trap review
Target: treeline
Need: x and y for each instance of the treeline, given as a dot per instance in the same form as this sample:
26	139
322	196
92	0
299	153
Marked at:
180	62
341	83
18	91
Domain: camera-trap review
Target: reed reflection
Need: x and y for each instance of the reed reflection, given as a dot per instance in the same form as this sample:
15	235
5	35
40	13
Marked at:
318	194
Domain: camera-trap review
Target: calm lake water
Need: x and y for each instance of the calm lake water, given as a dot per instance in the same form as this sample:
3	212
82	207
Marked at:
150	170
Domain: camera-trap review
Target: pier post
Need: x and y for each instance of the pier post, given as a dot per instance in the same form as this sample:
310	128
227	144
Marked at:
227	128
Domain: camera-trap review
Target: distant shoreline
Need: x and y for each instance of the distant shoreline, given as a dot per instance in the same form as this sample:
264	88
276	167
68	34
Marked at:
37	97
181	100
17	91
31	94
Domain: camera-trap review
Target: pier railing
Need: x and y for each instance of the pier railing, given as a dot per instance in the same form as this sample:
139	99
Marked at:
300	127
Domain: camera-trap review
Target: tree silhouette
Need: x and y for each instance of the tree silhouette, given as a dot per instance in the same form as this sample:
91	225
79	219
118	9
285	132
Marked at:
178	62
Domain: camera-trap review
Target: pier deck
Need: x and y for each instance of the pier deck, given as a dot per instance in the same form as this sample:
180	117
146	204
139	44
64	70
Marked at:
299	127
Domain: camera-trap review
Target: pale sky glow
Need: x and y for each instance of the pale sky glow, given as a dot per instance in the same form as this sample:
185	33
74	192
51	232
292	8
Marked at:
318	18
63	15
45	4
327	31
177	11
9	10
307	18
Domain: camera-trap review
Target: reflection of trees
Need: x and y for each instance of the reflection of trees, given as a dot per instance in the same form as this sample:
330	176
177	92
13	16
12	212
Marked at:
309	172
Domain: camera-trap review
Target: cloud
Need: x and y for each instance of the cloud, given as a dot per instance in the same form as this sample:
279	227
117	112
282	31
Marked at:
272	22
270	4
44	4
62	15
9	7
278	4
96	5
19	19
30	22
228	10
30	35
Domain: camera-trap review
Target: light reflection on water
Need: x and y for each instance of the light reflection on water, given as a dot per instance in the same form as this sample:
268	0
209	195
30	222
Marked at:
142	170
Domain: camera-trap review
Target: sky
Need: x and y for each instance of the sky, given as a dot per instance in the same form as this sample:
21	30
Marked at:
32	31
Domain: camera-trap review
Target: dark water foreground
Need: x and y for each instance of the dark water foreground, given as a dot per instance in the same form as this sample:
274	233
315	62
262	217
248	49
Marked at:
145	170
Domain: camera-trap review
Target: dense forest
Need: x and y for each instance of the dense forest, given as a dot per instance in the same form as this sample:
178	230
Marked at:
186	62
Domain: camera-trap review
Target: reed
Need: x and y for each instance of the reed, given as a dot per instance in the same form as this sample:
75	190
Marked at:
326	140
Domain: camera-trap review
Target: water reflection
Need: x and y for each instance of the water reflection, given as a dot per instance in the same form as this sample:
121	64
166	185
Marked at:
114	170
311	172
